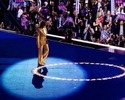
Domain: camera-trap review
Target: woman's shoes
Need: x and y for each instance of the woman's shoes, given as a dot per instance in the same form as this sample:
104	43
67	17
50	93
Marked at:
40	65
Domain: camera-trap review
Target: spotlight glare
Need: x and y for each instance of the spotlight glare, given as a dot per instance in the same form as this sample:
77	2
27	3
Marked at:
20	79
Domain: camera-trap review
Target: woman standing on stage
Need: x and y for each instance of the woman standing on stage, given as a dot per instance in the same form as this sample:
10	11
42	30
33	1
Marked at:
43	48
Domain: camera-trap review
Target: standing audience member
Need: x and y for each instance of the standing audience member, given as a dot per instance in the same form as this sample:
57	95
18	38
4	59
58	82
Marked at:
97	5
88	33
61	7
86	21
13	6
33	11
49	25
19	13
96	26
105	34
24	19
89	2
100	15
69	5
113	26
120	9
53	7
106	6
108	18
44	10
54	29
80	29
121	28
60	23
86	10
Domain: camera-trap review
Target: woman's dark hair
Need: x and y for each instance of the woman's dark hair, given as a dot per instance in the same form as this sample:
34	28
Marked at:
42	24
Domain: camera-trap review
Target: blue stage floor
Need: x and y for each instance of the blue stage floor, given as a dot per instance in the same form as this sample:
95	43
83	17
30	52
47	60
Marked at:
71	72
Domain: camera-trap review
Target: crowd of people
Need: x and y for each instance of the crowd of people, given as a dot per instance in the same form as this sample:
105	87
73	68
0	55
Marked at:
95	22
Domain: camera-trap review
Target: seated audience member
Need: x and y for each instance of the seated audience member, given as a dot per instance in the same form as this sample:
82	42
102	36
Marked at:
121	41
113	40
2	25
68	36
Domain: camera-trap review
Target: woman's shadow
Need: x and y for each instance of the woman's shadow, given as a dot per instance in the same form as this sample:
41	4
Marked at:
38	80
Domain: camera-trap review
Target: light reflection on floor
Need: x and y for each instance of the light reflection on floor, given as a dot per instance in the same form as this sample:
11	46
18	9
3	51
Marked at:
20	72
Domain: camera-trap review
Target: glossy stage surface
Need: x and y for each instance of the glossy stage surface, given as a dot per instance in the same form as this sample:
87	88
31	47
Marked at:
70	73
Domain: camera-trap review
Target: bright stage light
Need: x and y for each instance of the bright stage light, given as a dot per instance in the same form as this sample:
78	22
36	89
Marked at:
17	79
63	78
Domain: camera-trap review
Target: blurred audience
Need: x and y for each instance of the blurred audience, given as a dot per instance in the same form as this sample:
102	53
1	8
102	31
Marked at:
95	22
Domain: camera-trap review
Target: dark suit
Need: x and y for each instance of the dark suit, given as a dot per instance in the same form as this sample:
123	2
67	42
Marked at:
62	21
113	26
118	29
60	25
54	7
